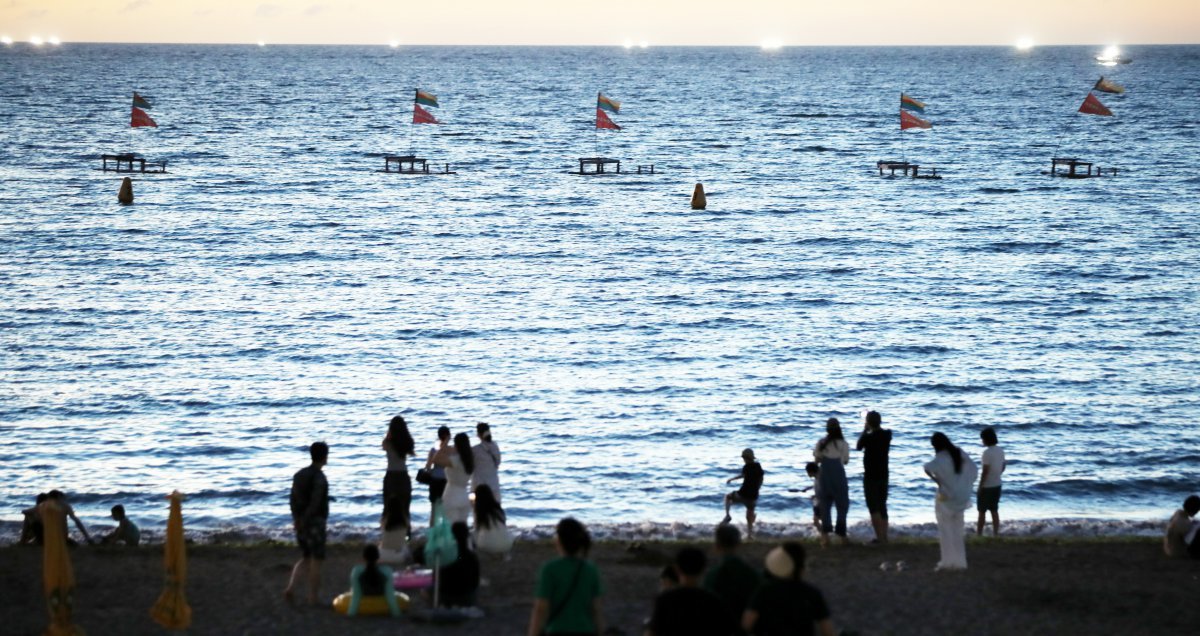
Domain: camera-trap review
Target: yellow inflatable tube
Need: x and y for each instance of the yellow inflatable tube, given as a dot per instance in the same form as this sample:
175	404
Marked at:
369	605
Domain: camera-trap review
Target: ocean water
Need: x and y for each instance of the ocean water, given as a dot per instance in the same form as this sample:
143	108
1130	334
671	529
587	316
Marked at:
275	288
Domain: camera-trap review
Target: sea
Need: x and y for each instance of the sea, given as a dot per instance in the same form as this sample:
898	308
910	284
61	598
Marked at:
275	287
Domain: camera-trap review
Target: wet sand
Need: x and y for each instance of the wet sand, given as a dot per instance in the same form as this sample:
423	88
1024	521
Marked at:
1017	586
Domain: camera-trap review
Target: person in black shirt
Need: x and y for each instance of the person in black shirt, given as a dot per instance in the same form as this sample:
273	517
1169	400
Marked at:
689	610
310	511
784	605
875	441
747	495
459	581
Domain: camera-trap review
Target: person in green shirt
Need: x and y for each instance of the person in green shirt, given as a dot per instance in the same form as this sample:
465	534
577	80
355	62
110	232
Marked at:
567	600
731	578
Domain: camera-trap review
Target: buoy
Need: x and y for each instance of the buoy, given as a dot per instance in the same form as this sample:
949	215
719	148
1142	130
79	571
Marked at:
699	201
125	196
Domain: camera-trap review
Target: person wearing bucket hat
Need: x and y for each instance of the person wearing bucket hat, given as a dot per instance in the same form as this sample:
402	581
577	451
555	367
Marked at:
784	603
747	495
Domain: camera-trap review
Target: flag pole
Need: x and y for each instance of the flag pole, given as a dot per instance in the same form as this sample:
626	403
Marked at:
413	123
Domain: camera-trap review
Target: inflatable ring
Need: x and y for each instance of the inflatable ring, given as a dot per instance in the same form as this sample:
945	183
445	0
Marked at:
369	605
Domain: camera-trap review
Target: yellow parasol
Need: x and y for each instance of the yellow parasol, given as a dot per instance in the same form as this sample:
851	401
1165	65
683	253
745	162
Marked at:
172	610
58	580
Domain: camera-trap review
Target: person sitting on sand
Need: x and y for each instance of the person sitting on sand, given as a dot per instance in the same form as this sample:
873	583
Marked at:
689	610
369	579
393	540
731	579
31	526
68	511
567	598
491	531
458	582
1182	539
747	495
125	533
954	473
784	604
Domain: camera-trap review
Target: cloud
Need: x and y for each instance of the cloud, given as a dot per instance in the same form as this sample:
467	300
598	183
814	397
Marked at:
135	5
268	11
316	9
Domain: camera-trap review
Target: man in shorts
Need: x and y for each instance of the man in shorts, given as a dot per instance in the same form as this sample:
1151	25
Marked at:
875	442
310	511
988	497
747	495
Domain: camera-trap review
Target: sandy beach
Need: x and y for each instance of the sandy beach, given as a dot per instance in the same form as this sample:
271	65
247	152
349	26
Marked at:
1013	586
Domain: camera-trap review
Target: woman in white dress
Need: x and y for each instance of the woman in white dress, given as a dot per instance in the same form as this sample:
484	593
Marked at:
487	461
954	473
459	463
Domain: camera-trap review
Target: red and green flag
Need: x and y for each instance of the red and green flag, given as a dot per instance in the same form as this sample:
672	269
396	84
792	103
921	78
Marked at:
1108	86
604	121
422	116
140	119
908	103
909	120
607	103
1092	106
426	99
140	102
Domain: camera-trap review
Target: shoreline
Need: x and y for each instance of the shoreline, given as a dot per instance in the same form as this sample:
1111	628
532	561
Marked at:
1013	585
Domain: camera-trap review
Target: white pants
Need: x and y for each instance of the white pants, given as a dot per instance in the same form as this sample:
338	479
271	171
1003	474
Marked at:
950	537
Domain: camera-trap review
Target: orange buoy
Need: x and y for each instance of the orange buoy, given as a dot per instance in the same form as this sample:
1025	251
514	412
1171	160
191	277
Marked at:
699	201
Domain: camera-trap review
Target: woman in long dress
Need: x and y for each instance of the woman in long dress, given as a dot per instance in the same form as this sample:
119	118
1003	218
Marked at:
954	473
833	453
459	463
397	491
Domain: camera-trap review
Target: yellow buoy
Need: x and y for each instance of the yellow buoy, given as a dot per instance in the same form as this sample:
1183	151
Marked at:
125	196
699	201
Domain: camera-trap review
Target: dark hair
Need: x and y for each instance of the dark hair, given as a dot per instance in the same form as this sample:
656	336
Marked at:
372	577
812	468
462	444
873	419
401	440
833	432
443	432
319	451
727	536
484	431
55	494
942	443
668	572
42	497
118	510
690	561
796	552
461	534
487	509
1191	505
573	537
988	435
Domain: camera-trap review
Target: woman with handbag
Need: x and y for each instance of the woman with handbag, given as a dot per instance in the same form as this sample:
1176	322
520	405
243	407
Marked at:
435	475
567	601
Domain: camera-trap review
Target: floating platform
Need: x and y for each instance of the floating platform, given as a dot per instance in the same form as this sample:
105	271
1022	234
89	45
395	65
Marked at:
130	162
599	166
1072	169
906	169
411	164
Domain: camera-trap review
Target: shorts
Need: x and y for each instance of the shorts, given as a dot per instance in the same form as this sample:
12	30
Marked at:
988	499
875	491
311	539
738	496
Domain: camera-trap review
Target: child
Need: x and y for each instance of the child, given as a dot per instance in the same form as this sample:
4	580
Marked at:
126	532
814	472
747	495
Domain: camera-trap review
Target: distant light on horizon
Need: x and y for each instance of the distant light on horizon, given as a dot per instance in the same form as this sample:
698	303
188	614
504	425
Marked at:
395	44
1111	52
6	40
628	44
772	44
35	40
53	40
643	45
1024	44
261	43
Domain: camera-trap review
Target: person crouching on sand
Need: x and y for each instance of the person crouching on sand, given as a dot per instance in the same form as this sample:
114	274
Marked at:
747	495
126	532
1183	531
954	473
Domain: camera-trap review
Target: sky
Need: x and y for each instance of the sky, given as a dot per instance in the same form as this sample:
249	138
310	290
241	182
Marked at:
607	22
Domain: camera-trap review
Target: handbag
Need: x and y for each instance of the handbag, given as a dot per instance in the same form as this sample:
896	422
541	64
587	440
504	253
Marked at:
424	476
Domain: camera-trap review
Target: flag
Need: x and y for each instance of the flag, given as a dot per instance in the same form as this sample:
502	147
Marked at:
606	103
603	121
1092	106
426	99
1107	86
140	102
908	103
139	119
422	116
172	610
909	120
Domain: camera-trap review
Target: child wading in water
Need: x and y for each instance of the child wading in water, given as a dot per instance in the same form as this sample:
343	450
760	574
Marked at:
747	495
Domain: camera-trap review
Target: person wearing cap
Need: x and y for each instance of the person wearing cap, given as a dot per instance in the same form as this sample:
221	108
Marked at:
747	495
784	603
487	460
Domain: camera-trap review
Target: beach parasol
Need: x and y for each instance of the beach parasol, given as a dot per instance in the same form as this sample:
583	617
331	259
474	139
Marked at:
172	610
58	580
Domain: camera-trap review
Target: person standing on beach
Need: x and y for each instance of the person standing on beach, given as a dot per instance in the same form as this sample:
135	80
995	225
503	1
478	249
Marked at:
459	464
487	461
1183	531
310	512
875	442
568	595
832	454
437	474
988	497
747	495
396	521
688	609
954	473
731	579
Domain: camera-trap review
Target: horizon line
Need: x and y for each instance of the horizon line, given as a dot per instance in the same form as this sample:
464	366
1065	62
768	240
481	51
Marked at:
635	45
